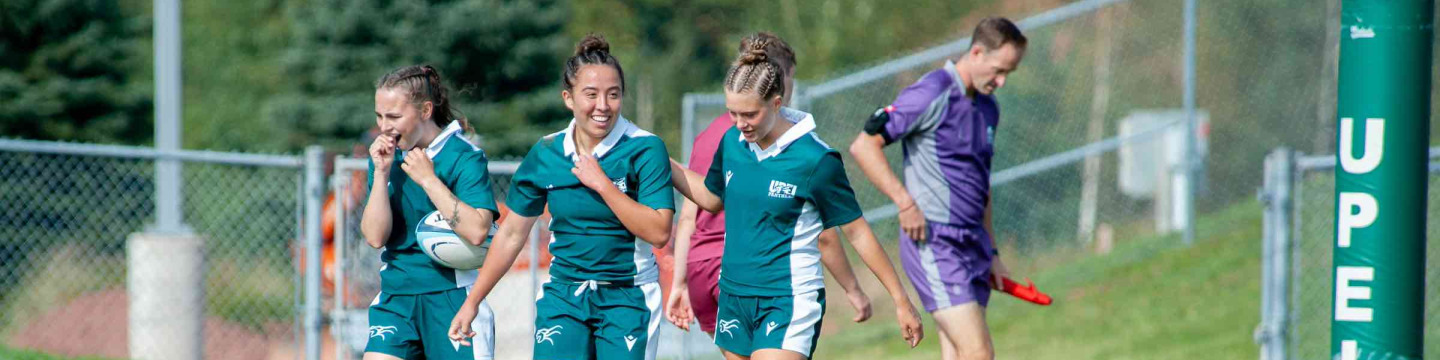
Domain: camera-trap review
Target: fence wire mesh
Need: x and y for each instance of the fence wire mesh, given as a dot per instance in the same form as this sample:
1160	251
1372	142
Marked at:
1082	76
1312	272
64	224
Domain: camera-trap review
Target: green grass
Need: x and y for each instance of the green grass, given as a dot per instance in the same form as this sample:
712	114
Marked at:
13	354
1150	298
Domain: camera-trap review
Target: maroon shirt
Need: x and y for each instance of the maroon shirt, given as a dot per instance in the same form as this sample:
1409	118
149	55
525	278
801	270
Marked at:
708	242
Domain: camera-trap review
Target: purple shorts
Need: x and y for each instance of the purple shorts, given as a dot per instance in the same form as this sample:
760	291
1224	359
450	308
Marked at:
951	268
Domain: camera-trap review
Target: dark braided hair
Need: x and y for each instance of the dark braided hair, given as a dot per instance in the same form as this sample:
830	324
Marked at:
592	50
754	70
421	83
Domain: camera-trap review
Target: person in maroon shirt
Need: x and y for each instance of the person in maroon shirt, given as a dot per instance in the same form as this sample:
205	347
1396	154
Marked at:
700	236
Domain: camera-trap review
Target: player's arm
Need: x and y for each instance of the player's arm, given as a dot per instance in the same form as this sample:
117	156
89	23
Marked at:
997	267
375	222
677	306
868	151
835	201
506	245
863	239
911	112
875	258
649	215
469	222
691	185
832	254
684	230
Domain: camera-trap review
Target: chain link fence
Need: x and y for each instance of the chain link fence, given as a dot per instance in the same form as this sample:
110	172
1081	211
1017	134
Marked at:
1297	324
1086	153
1095	98
69	209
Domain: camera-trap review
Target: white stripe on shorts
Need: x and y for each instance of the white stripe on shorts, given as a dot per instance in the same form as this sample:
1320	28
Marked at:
804	323
932	274
652	330
483	344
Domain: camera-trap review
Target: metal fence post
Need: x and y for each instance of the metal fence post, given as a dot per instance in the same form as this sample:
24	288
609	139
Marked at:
1192	161
1272	333
339	321
314	200
687	127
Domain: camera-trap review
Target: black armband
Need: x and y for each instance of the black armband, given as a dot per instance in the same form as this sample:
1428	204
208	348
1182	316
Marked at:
876	124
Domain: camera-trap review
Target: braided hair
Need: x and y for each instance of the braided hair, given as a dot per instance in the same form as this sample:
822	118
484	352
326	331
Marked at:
755	71
421	83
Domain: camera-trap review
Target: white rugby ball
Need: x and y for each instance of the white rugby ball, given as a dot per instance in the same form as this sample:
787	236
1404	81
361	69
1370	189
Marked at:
441	243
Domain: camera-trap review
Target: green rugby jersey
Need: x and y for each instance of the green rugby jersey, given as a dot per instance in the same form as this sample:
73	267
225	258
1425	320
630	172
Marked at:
589	242
777	201
464	169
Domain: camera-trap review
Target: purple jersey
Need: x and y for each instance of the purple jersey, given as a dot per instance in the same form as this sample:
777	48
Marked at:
948	140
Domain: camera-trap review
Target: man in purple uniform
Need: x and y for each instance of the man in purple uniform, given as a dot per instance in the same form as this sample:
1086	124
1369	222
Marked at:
946	122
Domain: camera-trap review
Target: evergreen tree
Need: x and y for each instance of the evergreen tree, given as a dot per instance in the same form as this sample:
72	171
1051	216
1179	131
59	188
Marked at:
67	69
501	56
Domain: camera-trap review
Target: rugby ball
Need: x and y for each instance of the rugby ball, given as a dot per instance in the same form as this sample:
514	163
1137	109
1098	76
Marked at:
441	243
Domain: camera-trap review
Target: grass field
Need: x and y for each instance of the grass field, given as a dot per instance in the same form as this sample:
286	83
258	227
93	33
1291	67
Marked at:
1150	298
12	354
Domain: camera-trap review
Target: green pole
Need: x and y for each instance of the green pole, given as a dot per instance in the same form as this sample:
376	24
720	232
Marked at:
1383	113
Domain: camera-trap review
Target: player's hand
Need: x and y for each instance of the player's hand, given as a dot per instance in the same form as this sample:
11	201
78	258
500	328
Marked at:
861	303
910	326
588	170
460	327
677	308
418	167
998	271
912	222
382	153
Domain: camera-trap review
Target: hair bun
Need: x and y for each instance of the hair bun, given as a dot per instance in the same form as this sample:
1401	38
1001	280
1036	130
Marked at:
592	44
753	50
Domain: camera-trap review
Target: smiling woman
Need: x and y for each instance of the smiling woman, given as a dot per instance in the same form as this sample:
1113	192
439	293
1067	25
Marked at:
607	184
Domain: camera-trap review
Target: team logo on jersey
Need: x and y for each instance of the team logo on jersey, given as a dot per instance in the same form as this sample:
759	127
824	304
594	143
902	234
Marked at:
782	190
989	134
620	183
630	342
728	174
724	326
543	335
770	327
381	331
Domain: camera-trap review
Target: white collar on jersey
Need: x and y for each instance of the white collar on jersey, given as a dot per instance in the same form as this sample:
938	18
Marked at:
622	127
958	83
439	141
804	124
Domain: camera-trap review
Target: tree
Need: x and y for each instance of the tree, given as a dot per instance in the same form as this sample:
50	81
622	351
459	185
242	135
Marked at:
501	56
66	72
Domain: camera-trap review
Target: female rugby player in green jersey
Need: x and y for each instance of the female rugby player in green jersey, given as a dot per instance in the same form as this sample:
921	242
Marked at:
780	187
607	185
422	164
